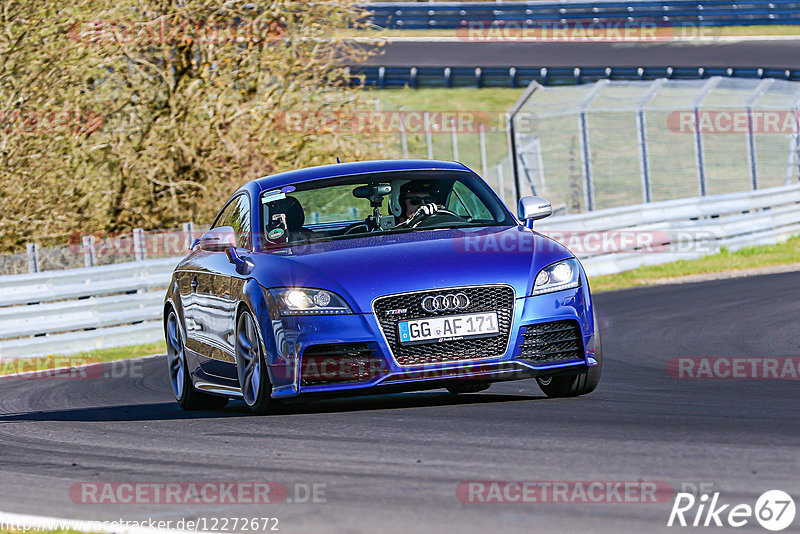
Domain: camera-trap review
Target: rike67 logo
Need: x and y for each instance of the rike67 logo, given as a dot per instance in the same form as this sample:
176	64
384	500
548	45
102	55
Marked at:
774	510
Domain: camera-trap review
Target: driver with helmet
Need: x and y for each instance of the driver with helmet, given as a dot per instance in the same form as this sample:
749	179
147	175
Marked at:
411	197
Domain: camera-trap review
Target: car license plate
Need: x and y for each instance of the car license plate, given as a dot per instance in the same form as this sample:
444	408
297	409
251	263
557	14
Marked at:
448	328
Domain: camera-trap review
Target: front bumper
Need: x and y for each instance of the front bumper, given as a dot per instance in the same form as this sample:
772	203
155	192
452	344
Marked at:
290	368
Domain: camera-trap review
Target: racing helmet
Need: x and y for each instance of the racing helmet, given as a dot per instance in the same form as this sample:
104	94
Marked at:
402	188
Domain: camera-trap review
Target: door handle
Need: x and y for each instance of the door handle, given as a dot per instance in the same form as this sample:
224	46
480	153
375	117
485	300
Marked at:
194	284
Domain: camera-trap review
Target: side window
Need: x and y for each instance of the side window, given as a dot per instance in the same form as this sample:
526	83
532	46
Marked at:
237	215
465	203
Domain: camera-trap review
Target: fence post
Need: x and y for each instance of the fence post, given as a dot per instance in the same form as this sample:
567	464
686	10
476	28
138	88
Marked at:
412	77
403	134
89	254
454	139
641	126
138	244
751	138
381	77
586	154
512	136
501	188
482	138
378	114
796	138
188	233
698	137
794	143
428	135
33	257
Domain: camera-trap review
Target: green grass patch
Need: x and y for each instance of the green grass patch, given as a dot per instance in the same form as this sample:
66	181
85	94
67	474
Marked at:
746	258
57	361
490	99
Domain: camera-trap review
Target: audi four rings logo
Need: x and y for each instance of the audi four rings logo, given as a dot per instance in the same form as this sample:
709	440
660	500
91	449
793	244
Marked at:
451	302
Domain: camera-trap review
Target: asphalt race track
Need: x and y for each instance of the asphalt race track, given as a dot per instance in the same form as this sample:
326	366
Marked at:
774	53
393	464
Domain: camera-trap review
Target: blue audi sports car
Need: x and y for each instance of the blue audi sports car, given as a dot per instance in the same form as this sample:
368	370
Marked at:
373	277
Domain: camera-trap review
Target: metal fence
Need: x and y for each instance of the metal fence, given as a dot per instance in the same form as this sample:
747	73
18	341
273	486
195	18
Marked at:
96	250
617	143
482	146
444	76
448	15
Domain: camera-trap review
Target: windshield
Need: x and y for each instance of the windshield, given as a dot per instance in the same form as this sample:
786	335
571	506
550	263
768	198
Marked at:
376	204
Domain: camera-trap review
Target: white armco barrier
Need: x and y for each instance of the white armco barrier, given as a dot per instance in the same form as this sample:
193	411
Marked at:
75	310
63	312
620	239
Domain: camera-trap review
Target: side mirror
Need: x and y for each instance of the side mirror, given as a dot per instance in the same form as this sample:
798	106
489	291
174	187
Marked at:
218	239
243	265
532	209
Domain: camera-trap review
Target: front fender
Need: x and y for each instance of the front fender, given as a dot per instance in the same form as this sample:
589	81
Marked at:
279	350
172	299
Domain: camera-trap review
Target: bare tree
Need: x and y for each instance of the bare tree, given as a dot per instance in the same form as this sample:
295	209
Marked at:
174	105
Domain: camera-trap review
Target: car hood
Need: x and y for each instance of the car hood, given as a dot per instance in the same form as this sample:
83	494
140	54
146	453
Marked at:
362	269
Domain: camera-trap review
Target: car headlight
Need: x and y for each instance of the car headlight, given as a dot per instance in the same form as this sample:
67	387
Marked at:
562	275
305	301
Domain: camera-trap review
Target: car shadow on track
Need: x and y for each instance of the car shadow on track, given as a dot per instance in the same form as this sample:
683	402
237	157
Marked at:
171	411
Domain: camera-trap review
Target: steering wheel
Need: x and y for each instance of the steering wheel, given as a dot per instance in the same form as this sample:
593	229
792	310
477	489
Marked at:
421	215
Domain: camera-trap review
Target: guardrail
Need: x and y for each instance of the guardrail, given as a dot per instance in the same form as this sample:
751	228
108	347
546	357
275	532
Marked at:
451	15
77	310
387	77
662	232
115	305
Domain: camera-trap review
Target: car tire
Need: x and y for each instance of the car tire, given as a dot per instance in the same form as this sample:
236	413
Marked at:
581	383
188	398
250	366
467	388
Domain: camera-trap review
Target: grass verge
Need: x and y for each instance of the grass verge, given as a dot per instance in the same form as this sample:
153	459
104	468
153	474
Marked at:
724	261
489	100
57	361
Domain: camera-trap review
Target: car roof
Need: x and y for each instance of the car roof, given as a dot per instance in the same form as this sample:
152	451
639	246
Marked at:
353	168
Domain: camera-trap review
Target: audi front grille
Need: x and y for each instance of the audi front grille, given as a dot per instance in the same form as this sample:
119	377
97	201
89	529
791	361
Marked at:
392	309
340	363
553	342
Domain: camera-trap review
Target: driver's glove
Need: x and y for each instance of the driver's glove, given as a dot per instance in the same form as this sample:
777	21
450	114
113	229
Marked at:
426	209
